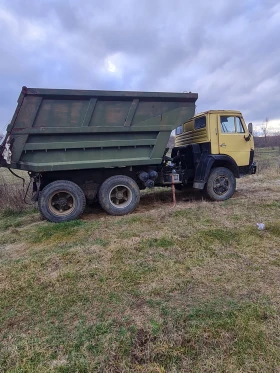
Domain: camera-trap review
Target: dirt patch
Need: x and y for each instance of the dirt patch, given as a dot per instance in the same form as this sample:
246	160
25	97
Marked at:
15	250
140	349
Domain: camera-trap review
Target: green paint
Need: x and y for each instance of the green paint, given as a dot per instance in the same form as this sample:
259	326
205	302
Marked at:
72	129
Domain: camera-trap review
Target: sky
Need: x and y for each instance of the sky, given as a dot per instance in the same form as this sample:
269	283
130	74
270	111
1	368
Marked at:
228	51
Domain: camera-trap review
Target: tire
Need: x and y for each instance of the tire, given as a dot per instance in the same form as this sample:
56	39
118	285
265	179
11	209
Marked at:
221	184
119	195
61	201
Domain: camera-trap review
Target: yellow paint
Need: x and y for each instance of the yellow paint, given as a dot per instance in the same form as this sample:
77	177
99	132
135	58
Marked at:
190	135
232	144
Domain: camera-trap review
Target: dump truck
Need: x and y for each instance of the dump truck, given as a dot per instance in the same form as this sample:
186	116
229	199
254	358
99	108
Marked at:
79	146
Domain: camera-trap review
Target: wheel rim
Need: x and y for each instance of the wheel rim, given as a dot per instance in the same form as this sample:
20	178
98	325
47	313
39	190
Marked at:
120	196
221	185
61	203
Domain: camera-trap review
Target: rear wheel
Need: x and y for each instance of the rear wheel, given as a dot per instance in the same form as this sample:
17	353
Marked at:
119	195
61	201
221	184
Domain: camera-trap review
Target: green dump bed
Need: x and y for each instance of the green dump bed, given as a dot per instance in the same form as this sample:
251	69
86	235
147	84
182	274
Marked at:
60	129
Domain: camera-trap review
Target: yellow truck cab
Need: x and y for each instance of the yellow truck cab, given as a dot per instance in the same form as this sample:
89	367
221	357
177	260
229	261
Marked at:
220	146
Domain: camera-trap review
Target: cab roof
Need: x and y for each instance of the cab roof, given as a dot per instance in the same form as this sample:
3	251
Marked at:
218	112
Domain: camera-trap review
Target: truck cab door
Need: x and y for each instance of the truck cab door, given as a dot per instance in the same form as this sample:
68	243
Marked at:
232	138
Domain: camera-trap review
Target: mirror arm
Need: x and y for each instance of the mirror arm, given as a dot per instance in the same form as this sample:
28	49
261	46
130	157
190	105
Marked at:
247	138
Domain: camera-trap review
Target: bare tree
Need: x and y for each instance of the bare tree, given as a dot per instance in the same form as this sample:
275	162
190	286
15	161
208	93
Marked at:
265	130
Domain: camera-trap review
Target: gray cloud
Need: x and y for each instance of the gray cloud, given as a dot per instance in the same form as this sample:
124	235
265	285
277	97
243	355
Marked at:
227	51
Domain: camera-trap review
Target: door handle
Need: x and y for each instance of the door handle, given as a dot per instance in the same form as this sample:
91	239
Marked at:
222	145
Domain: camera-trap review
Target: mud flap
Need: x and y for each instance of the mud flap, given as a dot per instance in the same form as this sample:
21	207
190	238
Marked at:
202	171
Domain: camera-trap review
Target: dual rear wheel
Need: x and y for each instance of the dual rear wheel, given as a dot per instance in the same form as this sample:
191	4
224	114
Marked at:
64	200
119	195
61	201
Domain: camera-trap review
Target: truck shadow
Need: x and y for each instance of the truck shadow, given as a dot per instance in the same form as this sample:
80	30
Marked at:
151	199
164	196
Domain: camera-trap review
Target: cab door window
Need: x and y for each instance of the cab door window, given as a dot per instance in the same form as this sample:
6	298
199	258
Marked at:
231	124
227	124
239	126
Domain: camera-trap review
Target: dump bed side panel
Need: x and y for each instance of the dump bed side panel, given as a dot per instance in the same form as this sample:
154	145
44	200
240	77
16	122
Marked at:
65	129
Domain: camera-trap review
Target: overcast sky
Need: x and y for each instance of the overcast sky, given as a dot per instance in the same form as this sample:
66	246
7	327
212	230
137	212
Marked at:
228	51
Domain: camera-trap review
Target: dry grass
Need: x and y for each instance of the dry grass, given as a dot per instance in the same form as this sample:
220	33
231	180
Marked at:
193	288
12	191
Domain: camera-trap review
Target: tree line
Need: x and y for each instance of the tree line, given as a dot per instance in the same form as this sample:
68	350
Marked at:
267	141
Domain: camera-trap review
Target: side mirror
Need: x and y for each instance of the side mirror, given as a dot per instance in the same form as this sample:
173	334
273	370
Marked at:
250	128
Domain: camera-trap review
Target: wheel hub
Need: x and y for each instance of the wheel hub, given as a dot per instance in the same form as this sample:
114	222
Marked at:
62	202
221	185
119	195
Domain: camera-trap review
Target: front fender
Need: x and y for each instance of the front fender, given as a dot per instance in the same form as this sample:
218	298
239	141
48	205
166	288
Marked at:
207	162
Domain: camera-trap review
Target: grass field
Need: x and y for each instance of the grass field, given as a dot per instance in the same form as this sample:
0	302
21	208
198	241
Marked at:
193	288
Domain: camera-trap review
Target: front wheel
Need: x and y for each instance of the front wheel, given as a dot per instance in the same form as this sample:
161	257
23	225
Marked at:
119	195
61	201
221	184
